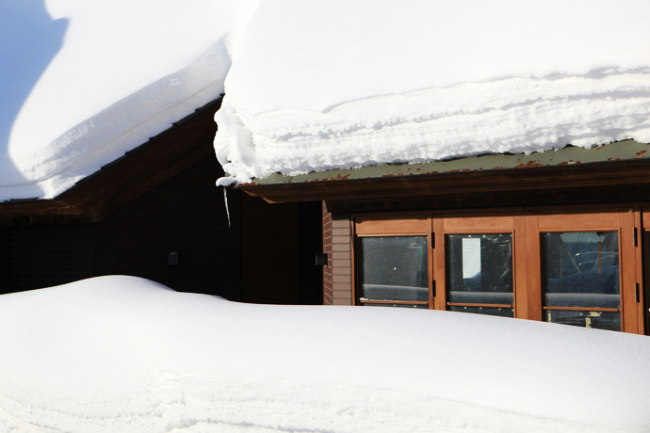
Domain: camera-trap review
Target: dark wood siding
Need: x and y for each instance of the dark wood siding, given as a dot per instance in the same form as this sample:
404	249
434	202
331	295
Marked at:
185	214
337	242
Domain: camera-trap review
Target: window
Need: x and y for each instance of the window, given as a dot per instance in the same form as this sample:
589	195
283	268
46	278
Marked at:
394	270
581	282
479	273
573	267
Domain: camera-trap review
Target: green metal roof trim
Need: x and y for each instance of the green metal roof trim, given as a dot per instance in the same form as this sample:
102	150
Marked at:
626	150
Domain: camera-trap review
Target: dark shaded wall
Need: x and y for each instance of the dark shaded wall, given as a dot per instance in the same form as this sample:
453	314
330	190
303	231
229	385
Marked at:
310	232
280	244
185	214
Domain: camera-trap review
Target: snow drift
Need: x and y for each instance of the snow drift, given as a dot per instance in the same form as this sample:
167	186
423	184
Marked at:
323	85
122	354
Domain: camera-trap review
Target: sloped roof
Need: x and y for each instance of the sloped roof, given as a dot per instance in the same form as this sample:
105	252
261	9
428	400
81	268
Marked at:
125	179
314	86
344	84
86	82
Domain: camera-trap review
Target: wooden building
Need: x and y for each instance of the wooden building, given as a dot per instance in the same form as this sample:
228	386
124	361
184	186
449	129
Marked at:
556	236
156	213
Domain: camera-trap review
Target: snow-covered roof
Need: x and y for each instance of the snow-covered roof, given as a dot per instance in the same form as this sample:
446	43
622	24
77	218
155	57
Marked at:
84	82
314	85
339	84
122	354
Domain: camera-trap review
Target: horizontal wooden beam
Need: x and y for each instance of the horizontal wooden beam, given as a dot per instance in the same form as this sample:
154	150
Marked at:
629	180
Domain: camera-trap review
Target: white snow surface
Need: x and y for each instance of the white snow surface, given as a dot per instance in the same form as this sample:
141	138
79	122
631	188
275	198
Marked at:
314	84
123	354
319	85
83	82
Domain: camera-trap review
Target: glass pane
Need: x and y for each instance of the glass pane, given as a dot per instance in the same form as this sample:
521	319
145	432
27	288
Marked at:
494	311
370	304
479	268
394	268
581	270
588	319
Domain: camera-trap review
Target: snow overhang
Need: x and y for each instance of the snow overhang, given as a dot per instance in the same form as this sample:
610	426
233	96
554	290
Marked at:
624	162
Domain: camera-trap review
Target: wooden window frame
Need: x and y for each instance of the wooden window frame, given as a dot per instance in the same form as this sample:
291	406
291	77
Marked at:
417	224
454	224
526	227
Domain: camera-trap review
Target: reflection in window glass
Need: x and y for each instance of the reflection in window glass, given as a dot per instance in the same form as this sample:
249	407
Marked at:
581	270
420	306
493	311
587	319
479	269
394	268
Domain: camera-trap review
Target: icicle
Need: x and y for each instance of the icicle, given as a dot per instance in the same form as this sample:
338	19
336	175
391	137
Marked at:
226	182
225	201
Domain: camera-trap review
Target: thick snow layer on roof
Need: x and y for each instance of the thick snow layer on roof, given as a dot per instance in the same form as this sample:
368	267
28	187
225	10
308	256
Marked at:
84	82
338	84
121	354
315	84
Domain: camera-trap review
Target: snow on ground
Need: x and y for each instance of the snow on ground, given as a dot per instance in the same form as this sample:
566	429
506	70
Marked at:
84	82
122	354
320	85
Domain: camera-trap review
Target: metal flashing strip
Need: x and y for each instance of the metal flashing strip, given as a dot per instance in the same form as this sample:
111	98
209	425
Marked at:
627	150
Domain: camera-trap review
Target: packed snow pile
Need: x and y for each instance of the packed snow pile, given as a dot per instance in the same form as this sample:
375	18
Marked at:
85	82
121	354
339	84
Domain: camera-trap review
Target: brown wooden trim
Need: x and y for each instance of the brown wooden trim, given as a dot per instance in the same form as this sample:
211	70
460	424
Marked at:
502	211
627	273
645	250
579	222
354	260
438	269
431	238
583	176
533	269
406	225
520	267
484	224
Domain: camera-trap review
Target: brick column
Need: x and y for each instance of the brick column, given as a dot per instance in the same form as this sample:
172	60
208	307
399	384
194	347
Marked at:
337	279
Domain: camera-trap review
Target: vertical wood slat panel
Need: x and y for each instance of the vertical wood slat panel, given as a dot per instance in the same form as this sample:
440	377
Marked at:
353	260
520	259
328	295
440	300
533	269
